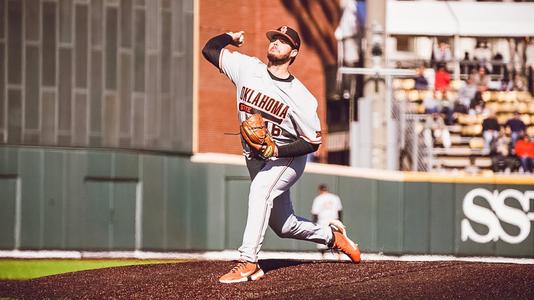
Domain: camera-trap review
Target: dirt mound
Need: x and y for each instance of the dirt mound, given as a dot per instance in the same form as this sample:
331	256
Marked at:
288	279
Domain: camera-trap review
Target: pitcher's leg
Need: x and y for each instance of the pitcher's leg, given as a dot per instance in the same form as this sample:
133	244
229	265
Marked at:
286	225
275	177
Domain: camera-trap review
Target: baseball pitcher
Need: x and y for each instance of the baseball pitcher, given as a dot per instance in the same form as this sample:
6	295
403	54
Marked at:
279	127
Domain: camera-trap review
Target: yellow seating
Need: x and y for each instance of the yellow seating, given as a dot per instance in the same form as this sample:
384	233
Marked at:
506	107
470	119
526	119
451	95
471	130
400	95
413	95
522	107
476	143
487	96
468	129
502	118
397	83
408	84
510	96
424	94
494	106
456	84
501	96
420	109
523	96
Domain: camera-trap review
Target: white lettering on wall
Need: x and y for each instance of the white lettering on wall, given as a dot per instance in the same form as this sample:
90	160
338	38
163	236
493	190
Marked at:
491	218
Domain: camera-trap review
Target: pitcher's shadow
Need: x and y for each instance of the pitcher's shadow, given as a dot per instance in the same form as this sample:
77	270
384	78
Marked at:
272	264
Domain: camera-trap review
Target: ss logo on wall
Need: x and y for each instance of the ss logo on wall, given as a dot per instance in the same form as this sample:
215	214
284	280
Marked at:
491	218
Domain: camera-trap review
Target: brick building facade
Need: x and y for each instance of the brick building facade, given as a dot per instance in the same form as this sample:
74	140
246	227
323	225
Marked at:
216	94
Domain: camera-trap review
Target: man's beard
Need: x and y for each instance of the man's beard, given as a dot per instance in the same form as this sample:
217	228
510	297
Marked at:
278	60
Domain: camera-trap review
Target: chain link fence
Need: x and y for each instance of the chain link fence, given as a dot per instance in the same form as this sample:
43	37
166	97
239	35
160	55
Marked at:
414	138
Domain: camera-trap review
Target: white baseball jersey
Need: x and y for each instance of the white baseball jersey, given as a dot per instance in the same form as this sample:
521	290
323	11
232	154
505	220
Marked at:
289	109
326	206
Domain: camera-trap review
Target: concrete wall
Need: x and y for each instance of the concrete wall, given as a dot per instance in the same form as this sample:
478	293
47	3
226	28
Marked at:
120	200
99	73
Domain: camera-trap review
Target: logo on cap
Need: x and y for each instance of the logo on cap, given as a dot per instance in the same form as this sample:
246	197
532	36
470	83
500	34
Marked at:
283	29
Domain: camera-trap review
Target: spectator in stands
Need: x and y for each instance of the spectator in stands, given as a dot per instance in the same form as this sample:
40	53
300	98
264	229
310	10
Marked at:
500	158
447	112
432	102
457	109
442	78
490	130
507	84
442	53
516	57
515	127
482	79
466	65
483	54
529	64
477	104
472	168
440	131
467	92
460	108
498	65
524	150
421	83
519	83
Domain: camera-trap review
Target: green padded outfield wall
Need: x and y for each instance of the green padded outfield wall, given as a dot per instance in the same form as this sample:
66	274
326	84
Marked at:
65	199
100	200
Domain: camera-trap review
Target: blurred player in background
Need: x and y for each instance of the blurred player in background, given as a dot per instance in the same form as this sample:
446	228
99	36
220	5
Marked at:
326	208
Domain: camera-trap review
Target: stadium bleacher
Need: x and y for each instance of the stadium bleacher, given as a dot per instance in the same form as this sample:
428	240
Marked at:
466	133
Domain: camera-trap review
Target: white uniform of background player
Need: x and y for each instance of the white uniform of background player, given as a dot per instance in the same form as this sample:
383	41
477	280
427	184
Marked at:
326	207
290	113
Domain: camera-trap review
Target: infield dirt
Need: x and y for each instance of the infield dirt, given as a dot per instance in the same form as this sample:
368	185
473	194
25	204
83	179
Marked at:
288	279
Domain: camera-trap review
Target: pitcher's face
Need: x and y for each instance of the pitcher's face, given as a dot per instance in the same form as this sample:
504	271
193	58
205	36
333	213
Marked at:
280	51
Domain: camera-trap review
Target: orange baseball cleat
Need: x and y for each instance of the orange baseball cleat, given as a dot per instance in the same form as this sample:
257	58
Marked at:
343	243
244	271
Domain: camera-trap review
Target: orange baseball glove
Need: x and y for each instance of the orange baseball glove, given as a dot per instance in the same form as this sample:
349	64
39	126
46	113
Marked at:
257	136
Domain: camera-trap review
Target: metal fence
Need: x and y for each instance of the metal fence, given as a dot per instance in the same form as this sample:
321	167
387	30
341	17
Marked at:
415	138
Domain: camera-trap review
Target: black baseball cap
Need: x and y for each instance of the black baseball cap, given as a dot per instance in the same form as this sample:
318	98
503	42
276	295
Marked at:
290	34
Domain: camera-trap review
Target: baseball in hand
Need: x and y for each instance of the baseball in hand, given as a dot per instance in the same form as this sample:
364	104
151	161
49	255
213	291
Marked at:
241	39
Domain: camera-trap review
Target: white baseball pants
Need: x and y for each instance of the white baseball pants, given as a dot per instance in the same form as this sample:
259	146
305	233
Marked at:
269	203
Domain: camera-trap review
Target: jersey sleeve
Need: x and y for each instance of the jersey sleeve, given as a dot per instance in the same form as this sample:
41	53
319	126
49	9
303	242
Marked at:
309	126
235	65
305	118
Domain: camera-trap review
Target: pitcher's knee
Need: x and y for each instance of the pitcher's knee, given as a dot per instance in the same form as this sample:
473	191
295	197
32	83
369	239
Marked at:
288	230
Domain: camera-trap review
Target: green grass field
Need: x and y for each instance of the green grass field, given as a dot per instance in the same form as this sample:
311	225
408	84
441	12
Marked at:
21	269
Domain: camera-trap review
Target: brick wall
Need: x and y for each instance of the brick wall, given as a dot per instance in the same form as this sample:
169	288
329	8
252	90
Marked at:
217	109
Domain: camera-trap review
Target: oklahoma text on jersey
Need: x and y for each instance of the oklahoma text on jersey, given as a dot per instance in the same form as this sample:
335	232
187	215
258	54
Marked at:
264	102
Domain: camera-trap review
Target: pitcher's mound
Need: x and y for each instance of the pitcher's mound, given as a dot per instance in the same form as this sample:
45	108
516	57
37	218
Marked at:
288	279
